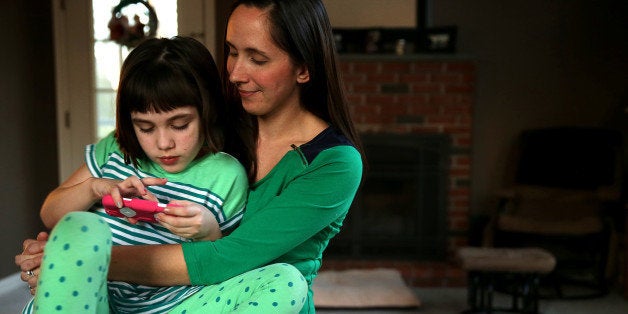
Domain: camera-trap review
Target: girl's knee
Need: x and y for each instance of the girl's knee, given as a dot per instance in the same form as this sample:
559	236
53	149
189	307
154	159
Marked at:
81	237
82	217
75	264
82	223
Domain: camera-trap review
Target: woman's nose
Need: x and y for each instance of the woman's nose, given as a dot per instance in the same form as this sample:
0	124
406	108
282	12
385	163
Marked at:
236	72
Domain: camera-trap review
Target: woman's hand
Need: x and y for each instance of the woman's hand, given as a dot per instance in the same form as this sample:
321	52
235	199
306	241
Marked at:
30	260
190	220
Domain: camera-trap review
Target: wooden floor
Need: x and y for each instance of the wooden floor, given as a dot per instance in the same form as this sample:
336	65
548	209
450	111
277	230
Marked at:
453	300
14	294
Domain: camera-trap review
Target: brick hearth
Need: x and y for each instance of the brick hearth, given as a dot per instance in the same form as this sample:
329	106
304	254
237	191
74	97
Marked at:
418	94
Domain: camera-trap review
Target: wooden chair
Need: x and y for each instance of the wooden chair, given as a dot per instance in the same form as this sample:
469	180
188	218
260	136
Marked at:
567	181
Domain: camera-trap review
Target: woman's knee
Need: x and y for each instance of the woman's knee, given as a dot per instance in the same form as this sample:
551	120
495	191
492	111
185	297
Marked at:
292	276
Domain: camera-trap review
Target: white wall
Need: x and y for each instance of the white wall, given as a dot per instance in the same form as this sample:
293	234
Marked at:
539	63
28	157
371	13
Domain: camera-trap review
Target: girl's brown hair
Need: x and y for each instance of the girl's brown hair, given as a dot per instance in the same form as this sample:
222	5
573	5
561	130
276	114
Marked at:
164	74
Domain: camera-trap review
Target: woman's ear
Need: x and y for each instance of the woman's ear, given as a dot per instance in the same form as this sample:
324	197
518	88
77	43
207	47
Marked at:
303	76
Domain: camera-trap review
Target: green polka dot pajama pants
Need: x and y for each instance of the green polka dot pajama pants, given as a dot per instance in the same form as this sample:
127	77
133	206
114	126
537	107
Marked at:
276	288
73	278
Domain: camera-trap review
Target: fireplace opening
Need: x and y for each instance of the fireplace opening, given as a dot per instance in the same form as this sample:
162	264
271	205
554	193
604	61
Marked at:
400	209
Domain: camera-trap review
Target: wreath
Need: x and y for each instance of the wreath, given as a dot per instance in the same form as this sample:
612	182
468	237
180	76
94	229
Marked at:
131	33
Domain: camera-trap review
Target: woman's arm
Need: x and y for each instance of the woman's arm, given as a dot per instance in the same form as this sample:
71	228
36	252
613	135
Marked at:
156	265
306	211
306	206
153	265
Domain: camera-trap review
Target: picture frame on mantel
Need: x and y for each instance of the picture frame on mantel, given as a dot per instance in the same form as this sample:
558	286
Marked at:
438	39
393	30
360	14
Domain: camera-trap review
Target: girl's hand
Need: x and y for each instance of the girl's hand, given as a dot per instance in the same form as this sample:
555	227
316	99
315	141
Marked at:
129	187
30	260
82	190
190	220
132	187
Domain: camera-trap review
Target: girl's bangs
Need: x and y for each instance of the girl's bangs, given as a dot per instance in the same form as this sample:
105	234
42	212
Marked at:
160	90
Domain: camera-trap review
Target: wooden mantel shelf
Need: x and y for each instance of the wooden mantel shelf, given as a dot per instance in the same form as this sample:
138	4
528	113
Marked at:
404	57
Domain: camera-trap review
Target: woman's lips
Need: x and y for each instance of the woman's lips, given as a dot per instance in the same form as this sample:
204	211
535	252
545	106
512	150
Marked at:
244	93
169	160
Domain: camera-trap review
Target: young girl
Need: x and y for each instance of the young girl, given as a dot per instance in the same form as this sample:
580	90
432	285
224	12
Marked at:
170	131
281	68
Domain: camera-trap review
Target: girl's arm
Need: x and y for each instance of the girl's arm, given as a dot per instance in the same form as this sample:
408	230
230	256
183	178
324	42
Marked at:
81	190
75	194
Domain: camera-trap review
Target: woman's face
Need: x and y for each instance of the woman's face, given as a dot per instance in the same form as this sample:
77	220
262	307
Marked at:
172	139
266	78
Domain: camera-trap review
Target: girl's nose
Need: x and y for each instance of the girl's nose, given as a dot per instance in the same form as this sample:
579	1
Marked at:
165	141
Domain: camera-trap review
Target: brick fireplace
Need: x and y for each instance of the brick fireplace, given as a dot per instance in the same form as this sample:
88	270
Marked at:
418	95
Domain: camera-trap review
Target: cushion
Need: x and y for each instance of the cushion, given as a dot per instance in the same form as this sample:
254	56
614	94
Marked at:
363	288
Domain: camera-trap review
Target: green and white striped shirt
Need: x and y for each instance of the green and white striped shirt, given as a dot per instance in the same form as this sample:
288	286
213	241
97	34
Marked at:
217	181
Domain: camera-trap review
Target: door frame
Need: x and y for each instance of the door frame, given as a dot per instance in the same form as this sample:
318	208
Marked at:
74	76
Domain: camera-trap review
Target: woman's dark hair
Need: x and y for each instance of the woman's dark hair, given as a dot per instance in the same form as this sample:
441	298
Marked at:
302	29
163	74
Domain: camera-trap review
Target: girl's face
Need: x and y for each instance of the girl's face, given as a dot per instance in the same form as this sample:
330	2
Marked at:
171	139
266	77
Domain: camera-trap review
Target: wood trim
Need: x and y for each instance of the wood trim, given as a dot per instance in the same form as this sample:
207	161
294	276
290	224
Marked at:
223	8
74	59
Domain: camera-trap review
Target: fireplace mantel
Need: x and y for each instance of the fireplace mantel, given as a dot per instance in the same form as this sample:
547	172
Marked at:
405	57
420	94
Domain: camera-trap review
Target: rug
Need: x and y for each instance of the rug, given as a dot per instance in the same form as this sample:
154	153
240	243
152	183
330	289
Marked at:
363	288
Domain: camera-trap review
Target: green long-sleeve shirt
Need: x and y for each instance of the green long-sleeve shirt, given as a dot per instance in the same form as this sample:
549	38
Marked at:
290	216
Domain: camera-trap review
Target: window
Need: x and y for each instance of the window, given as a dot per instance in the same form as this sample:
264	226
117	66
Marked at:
109	55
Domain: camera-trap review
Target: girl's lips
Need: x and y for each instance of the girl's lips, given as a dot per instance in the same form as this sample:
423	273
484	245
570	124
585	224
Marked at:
169	160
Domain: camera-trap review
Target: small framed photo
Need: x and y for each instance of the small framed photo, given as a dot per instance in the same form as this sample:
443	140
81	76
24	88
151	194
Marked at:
439	39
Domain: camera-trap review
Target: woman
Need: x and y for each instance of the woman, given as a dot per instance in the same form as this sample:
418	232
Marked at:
281	68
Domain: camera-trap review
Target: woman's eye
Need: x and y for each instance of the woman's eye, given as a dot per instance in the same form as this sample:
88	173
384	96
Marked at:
145	130
257	61
232	53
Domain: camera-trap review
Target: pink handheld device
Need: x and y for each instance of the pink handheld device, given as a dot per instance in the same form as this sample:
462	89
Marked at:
140	209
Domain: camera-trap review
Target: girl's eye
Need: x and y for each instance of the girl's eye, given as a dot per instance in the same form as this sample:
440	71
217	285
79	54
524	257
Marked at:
145	130
180	127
